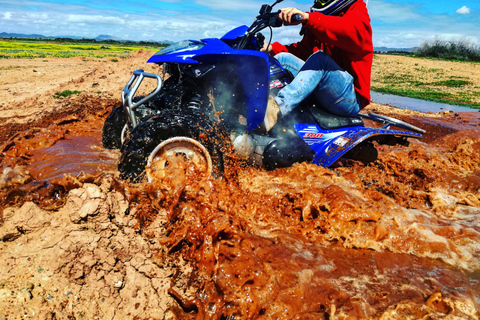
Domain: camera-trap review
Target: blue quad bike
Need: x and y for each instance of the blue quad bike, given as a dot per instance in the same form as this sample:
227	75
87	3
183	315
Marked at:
216	90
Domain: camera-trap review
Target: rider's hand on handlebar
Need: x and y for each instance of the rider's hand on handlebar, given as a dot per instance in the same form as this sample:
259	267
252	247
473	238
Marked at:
289	15
267	48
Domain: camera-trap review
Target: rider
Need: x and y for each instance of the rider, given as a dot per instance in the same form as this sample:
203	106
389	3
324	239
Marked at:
338	51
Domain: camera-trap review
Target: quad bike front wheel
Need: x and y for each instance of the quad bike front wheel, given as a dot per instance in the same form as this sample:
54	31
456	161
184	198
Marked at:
116	128
113	127
176	154
173	143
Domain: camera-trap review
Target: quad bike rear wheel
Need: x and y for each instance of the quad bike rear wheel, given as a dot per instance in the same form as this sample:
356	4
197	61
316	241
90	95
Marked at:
364	152
171	141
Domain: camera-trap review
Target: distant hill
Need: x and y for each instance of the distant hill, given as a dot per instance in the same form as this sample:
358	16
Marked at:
102	37
35	36
106	37
20	35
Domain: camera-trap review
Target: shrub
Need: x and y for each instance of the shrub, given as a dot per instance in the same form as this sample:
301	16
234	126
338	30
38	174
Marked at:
450	50
66	93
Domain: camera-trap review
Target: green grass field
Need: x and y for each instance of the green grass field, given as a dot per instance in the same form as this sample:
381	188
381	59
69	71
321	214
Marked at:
451	82
410	86
26	49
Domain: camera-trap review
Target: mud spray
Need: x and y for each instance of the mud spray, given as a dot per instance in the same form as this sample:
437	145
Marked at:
398	238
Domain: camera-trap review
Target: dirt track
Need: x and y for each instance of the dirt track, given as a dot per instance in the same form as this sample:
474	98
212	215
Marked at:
395	239
28	86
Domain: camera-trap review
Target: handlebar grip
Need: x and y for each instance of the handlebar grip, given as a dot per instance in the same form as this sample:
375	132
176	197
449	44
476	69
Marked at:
297	17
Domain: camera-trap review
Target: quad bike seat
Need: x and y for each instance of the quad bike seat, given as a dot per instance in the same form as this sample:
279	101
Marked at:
308	113
326	120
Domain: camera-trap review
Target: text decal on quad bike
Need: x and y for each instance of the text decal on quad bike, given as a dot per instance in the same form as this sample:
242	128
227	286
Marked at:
278	83
312	134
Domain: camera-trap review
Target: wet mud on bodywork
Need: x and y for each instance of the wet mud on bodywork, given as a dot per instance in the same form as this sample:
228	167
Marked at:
397	238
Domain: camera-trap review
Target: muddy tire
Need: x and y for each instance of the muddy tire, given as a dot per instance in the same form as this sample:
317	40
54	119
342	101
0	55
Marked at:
364	152
112	129
167	128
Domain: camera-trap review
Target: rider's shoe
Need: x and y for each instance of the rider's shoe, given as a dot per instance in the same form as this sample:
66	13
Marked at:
272	115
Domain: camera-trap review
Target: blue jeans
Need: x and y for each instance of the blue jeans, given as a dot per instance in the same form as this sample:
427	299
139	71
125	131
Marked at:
331	86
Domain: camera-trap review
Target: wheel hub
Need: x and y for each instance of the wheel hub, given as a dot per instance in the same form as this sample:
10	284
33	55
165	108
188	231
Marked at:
177	155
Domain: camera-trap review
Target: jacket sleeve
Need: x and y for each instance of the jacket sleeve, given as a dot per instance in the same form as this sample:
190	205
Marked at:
348	32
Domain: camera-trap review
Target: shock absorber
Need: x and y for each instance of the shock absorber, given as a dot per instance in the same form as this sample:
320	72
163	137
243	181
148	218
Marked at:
195	102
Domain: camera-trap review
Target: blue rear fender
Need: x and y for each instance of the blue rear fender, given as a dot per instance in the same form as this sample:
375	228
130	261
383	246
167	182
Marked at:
331	145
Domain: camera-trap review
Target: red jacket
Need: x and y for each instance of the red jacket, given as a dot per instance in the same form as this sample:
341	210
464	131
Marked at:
346	38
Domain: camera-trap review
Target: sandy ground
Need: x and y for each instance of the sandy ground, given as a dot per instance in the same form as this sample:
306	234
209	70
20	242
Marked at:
31	283
28	86
86	258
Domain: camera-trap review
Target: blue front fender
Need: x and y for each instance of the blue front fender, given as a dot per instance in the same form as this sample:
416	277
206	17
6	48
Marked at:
253	69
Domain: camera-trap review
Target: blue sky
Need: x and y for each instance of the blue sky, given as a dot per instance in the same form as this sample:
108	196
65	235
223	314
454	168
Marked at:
396	24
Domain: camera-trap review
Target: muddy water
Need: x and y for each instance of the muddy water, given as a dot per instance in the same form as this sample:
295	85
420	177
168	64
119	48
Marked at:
415	104
74	156
398	238
41	162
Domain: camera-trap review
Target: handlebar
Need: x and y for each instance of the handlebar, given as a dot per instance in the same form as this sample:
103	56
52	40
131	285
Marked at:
265	19
272	19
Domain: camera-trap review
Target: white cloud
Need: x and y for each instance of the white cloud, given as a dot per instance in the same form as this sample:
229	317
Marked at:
93	19
412	37
405	26
391	12
463	10
229	5
285	35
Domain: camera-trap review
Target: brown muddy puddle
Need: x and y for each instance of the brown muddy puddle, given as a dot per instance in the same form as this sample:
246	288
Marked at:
398	238
76	156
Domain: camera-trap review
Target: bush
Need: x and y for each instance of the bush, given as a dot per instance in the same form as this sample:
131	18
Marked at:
65	94
450	50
